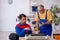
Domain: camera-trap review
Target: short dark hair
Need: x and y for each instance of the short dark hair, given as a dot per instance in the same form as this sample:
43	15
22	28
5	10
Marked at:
41	5
21	15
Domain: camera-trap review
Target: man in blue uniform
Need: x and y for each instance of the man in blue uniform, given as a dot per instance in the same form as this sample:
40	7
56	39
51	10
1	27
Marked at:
22	28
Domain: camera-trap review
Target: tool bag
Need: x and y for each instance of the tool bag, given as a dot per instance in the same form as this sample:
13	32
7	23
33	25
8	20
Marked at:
13	36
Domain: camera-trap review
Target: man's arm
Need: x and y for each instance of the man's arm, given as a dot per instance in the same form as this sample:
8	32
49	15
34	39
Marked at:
19	32
48	22
49	17
36	19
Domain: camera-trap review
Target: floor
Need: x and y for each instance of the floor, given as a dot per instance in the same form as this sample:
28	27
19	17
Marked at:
5	36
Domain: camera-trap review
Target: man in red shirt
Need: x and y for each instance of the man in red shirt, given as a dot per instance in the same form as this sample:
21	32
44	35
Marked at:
22	28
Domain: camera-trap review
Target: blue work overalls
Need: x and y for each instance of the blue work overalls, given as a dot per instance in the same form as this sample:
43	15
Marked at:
46	29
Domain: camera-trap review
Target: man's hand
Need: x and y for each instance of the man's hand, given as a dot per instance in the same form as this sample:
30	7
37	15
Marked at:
34	32
43	23
26	28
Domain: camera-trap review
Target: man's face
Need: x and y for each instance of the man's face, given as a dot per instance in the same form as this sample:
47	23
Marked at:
23	20
40	8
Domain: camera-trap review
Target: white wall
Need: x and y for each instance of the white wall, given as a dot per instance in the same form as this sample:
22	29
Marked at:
9	13
49	3
0	10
